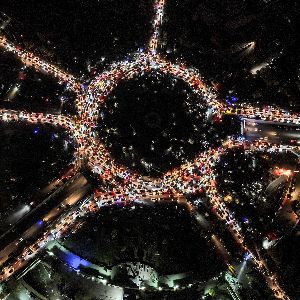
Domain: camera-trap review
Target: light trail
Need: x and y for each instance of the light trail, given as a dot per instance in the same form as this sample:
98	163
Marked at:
89	149
268	113
159	7
30	60
8	115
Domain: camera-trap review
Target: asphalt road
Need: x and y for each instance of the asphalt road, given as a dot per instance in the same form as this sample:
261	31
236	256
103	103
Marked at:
284	133
68	195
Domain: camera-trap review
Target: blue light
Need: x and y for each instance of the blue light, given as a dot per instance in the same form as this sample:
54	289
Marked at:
84	86
247	256
75	261
36	131
40	222
54	136
245	220
231	100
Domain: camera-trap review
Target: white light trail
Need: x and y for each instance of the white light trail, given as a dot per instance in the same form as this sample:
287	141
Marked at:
90	150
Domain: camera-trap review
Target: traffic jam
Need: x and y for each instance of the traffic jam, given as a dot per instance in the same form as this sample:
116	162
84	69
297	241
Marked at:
120	183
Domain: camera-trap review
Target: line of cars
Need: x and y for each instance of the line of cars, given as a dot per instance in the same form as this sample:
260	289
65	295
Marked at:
35	118
29	59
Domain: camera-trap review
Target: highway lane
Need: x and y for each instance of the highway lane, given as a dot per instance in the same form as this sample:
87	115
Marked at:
287	214
95	153
183	177
30	60
67	196
287	134
34	211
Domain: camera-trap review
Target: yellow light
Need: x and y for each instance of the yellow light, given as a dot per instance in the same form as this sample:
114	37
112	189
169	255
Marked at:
228	198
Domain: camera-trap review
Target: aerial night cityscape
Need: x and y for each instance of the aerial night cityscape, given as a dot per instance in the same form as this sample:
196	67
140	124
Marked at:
150	149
